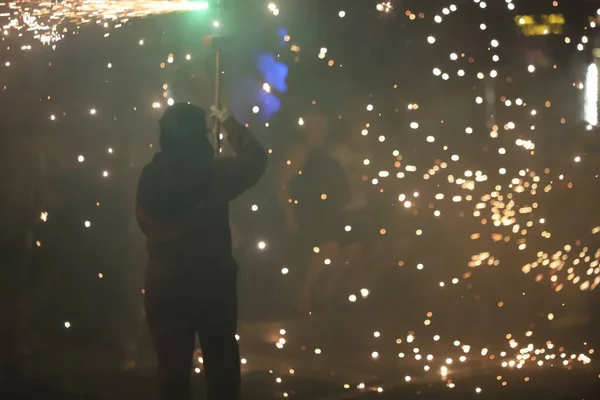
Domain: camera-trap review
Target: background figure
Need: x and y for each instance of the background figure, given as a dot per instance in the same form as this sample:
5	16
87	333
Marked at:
359	216
313	190
22	177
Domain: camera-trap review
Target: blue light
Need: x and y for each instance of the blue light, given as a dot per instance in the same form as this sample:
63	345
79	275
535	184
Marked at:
282	33
269	104
273	72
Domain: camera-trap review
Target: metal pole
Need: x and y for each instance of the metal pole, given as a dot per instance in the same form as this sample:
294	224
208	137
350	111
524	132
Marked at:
217	122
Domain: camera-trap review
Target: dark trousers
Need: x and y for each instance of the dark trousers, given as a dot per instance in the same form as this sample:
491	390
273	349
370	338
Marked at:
174	325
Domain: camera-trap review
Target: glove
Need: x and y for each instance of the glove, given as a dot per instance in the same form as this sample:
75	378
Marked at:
221	113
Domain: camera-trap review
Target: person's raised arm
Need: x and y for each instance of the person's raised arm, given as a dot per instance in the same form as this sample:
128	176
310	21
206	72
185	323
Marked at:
235	175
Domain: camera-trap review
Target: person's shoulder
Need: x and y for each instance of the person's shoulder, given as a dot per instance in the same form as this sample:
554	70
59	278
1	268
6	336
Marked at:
160	160
148	168
152	169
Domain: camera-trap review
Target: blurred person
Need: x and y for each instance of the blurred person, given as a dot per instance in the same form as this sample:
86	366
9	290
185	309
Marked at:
367	247
358	216
22	186
313	190
350	152
190	288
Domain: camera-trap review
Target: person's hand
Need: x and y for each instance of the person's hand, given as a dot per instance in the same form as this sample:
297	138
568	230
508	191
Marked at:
219	112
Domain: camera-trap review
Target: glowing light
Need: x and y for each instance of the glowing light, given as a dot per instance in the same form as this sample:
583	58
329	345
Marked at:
591	95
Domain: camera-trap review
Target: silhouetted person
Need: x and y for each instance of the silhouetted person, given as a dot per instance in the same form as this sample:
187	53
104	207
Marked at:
182	208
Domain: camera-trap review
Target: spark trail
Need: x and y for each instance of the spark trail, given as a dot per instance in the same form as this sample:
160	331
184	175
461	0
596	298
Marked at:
51	21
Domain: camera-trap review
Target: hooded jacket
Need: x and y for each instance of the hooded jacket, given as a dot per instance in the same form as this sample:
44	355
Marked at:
182	208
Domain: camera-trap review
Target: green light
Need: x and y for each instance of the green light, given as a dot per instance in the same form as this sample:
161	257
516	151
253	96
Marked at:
198	12
198	5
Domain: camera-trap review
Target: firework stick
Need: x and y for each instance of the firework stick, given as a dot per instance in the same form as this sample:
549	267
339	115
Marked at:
217	123
214	42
